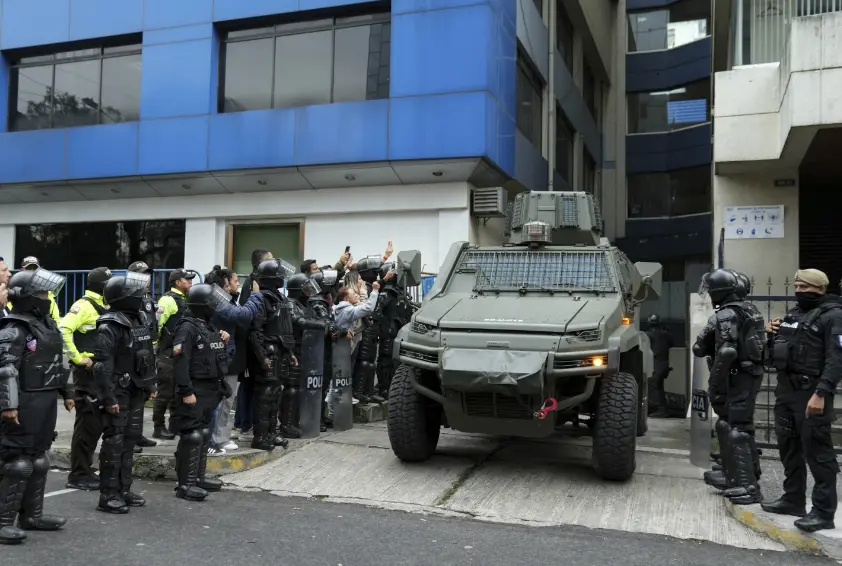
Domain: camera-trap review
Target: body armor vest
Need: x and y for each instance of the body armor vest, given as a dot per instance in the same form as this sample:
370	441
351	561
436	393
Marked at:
751	336
149	309
799	347
86	341
209	357
133	359
41	367
278	328
168	331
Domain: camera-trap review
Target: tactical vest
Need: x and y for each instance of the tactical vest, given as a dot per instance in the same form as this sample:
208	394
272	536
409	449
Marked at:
133	360
168	331
751	338
41	366
208	356
148	312
799	347
86	341
278	328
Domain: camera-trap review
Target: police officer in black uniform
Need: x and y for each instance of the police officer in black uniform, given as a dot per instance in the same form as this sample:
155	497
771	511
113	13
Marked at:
31	372
365	367
268	360
199	369
661	341
394	311
806	349
148	310
124	376
738	362
327	280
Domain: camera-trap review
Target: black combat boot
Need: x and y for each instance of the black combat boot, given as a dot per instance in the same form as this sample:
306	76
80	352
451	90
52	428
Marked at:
32	516
784	506
718	478
204	482
163	433
14	476
110	461
289	412
187	457
126	464
743	490
813	522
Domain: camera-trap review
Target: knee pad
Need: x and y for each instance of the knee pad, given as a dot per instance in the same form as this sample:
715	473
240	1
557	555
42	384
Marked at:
19	467
113	442
194	437
722	426
736	437
206	434
40	465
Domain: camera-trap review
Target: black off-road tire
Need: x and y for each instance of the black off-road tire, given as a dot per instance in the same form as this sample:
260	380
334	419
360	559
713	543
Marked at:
615	433
414	421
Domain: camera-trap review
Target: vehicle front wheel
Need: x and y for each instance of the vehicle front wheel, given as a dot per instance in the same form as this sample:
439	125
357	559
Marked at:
414	421
615	433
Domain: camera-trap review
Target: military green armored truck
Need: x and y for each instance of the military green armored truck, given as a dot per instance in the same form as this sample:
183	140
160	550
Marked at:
536	337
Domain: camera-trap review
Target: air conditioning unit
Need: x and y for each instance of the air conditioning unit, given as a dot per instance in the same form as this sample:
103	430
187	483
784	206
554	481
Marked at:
489	203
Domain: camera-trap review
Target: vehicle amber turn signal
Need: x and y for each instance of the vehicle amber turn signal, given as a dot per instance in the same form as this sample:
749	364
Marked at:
626	320
598	361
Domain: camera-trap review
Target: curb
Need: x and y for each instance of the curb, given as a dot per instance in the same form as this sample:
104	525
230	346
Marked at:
160	466
791	538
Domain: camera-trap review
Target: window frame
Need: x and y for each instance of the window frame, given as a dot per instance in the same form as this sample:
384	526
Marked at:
565	32
107	51
667	9
532	76
561	118
288	28
704	172
631	95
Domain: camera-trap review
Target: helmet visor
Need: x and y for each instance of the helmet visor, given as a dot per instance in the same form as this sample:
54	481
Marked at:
220	300
44	281
286	269
329	277
703	286
310	288
137	282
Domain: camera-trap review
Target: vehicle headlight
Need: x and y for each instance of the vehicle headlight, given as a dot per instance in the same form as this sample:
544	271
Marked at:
421	328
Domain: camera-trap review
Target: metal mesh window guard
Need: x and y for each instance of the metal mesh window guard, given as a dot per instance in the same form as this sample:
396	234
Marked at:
555	271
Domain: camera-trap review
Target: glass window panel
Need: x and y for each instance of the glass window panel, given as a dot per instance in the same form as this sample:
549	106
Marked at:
353	58
529	106
663	111
564	147
33	107
254	32
122	49
676	193
589	90
79	53
564	29
363	19
296	27
303	69
248	75
679	24
76	97
121	89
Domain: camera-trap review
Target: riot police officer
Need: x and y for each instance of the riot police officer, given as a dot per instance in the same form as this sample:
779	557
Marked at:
268	359
326	279
661	341
124	376
30	374
394	310
148	311
738	362
806	350
78	329
364	370
303	406
200	363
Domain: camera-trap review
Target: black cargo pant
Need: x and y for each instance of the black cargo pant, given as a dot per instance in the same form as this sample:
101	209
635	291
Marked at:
740	399
87	428
803	438
120	434
166	390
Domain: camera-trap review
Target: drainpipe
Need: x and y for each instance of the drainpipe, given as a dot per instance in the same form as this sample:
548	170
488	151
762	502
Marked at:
551	102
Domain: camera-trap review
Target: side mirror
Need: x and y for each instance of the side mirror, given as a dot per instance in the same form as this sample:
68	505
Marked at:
651	280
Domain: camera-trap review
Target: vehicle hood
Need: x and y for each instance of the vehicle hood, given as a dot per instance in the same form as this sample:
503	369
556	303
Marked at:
524	314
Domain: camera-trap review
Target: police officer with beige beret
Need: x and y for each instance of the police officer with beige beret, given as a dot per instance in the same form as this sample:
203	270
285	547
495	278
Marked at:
805	347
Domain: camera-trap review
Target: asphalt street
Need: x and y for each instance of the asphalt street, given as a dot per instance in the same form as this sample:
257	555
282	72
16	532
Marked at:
257	528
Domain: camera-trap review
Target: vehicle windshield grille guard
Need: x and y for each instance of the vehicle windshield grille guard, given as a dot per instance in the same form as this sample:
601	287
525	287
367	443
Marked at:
541	270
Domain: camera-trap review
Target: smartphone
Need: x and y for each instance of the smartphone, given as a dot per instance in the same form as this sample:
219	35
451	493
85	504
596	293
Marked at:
347	249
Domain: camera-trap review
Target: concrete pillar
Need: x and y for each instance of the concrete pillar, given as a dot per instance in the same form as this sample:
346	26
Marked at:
7	244
204	243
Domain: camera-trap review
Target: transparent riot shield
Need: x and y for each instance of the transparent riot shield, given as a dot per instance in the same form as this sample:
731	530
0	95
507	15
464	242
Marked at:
342	400
700	415
312	376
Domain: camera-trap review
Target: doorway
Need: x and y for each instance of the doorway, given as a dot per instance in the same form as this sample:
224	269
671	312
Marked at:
284	240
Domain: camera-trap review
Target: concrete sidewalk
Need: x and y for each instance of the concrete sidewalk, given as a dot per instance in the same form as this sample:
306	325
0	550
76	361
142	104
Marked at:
544	483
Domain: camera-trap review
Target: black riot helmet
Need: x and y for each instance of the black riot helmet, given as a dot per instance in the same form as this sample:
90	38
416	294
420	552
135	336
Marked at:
29	291
720	284
369	268
654	321
743	285
206	300
325	278
301	287
125	293
272	272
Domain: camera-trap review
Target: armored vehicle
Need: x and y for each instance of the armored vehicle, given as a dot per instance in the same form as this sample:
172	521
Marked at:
532	338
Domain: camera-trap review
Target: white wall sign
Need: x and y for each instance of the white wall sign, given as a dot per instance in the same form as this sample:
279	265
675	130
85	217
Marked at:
747	222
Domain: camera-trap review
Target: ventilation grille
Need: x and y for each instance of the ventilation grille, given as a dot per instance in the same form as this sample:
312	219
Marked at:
489	203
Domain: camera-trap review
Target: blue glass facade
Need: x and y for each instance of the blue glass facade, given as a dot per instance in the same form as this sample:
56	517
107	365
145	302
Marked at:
452	91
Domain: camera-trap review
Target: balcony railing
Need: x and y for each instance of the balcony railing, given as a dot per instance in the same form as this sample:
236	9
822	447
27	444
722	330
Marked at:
761	27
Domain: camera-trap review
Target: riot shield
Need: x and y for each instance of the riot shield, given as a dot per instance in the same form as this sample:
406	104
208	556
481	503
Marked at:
343	408
700	415
312	377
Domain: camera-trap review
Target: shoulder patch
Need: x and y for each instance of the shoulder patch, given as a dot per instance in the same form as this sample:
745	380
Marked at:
74	309
839	340
148	307
176	350
31	344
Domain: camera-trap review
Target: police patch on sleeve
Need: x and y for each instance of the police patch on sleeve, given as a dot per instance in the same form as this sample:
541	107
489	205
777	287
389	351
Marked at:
74	309
176	350
149	307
